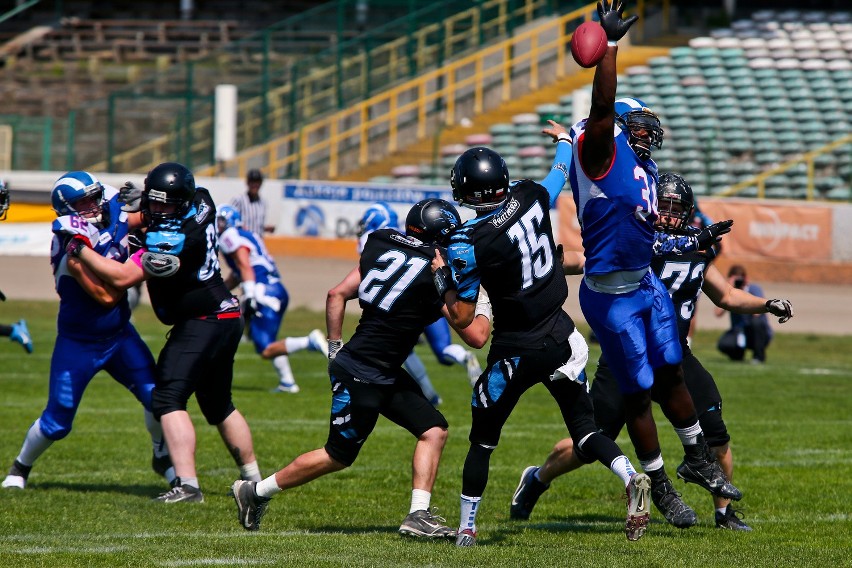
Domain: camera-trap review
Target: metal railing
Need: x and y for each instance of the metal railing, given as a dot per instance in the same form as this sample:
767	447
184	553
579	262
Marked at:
808	158
334	78
377	125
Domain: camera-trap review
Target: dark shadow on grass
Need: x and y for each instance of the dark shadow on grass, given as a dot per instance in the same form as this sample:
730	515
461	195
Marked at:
144	490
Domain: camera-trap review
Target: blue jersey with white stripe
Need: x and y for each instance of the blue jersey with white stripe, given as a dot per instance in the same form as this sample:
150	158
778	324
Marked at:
617	211
265	270
80	315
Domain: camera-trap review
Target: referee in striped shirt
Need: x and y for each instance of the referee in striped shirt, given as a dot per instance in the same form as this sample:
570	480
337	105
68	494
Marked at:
251	207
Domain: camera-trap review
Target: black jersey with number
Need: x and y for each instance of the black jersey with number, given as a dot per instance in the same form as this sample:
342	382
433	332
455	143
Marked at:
683	275
197	288
512	254
398	300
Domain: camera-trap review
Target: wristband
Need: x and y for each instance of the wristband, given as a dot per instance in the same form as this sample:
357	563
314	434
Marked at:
248	288
612	43
563	137
443	278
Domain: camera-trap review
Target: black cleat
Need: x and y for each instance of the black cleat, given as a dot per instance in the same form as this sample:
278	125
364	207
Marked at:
669	503
731	519
180	493
526	495
705	471
250	506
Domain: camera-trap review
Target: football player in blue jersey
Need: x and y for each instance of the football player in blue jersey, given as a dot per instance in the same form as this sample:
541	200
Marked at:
264	296
17	331
613	180
380	215
94	332
686	275
508	249
180	264
394	288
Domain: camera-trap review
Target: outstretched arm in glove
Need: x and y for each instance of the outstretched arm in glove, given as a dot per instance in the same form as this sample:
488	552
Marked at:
737	300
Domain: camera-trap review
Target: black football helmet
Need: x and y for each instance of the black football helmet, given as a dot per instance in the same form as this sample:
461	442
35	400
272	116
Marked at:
432	221
632	115
480	179
675	203
168	183
4	200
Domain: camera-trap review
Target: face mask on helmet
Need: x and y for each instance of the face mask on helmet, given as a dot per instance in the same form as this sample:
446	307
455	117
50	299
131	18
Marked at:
432	221
79	193
640	124
480	179
4	200
169	191
675	203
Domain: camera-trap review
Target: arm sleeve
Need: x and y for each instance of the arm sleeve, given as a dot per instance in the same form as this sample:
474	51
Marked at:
462	262
555	180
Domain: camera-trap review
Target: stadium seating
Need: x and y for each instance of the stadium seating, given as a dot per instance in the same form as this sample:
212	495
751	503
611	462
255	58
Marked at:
744	99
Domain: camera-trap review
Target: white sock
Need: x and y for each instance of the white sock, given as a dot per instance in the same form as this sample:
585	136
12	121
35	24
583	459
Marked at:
191	481
285	373
294	344
722	510
469	508
419	500
622	467
689	435
35	444
456	352
268	487
250	472
155	429
653	465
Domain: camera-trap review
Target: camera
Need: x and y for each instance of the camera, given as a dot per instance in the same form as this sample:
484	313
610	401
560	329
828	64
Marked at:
739	283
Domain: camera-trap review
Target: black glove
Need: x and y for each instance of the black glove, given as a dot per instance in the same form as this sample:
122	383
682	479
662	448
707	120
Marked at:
781	309
711	235
611	22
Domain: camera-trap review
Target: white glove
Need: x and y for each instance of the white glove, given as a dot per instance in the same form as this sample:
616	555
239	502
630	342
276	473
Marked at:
262	299
574	367
483	305
334	346
782	309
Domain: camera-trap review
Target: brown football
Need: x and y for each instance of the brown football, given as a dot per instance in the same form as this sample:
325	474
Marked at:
588	44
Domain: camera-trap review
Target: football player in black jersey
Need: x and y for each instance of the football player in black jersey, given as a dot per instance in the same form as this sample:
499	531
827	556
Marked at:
393	284
509	249
180	264
686	275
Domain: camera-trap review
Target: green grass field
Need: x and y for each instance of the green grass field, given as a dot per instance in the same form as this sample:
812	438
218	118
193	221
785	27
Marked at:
89	498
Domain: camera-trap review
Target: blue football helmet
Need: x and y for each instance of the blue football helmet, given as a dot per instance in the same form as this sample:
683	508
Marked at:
79	193
631	116
4	199
378	216
227	217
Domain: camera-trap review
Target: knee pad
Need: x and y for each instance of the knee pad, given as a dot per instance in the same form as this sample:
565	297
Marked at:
55	426
164	401
215	409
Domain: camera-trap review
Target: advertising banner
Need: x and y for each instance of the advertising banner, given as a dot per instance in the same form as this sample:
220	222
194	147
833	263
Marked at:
780	232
